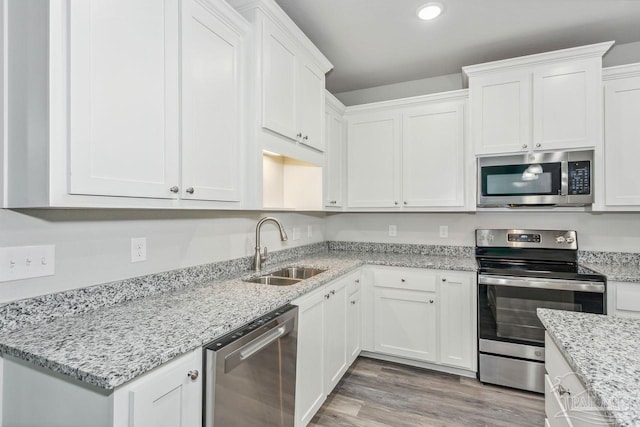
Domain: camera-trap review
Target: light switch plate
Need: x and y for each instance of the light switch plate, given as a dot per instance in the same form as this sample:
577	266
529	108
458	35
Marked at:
24	262
393	231
444	231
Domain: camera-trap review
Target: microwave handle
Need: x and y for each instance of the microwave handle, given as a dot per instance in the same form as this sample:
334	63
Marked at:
564	178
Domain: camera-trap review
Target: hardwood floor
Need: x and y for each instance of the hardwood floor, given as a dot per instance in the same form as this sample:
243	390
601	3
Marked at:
375	393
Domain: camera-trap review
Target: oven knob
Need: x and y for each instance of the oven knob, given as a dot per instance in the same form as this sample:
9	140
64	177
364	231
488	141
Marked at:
570	240
560	239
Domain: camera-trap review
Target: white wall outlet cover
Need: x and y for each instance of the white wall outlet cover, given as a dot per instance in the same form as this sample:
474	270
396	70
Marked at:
296	233
444	231
393	231
138	249
309	231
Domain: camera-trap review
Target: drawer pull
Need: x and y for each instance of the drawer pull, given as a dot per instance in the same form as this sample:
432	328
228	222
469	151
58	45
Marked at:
562	391
193	375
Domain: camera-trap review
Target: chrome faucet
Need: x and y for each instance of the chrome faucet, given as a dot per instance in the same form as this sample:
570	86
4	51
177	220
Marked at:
258	257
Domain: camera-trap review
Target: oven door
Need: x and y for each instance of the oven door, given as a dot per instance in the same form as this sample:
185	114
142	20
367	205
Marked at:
507	305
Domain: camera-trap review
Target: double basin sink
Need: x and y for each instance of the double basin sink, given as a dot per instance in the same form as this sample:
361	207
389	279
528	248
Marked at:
286	276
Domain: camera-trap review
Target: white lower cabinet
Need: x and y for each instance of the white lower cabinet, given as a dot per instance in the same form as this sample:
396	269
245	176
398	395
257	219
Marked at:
623	299
566	400
354	321
425	315
323	356
168	396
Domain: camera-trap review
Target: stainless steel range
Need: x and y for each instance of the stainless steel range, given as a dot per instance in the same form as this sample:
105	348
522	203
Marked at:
519	271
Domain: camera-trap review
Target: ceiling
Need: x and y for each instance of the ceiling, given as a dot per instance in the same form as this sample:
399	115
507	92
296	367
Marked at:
378	42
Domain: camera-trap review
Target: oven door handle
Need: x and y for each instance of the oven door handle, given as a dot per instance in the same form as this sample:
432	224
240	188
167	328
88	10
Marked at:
533	282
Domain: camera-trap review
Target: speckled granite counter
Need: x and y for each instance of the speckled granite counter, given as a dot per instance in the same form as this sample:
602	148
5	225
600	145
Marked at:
111	345
617	266
605	352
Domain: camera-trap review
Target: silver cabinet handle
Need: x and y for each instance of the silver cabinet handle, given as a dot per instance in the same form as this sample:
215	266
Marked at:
538	145
562	391
174	189
353	302
190	190
404	203
299	135
395	203
444	279
357	280
402	280
524	145
333	292
193	374
306	138
430	301
326	296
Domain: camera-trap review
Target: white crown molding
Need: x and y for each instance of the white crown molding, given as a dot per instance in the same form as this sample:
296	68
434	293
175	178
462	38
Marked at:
454	95
621	71
223	11
334	103
271	9
581	52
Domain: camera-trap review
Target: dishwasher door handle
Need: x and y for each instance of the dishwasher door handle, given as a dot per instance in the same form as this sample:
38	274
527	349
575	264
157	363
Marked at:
251	348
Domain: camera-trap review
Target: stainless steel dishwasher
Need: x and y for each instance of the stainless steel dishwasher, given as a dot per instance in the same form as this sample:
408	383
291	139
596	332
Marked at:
250	373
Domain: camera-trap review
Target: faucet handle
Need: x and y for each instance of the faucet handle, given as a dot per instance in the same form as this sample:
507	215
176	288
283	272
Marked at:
263	257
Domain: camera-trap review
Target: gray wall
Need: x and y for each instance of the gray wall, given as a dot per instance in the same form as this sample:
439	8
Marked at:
617	55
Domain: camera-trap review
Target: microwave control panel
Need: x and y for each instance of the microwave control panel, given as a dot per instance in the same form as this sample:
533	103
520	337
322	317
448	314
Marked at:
580	177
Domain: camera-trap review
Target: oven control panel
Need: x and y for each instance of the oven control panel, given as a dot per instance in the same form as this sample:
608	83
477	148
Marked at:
514	238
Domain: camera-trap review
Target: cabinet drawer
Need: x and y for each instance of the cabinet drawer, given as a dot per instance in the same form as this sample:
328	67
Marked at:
352	281
403	278
628	298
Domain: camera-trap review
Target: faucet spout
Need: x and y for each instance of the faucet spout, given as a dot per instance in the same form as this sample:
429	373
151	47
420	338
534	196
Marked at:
258	257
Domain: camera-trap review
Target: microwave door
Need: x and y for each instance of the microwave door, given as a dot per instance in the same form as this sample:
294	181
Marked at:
522	184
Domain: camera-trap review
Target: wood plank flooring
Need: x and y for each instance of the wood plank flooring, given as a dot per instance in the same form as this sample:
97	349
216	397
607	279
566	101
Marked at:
376	393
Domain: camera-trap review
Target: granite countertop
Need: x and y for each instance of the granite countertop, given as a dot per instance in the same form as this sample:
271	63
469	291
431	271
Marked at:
605	353
109	346
616	272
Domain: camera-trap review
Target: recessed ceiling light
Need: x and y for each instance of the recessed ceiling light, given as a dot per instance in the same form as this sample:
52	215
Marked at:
430	11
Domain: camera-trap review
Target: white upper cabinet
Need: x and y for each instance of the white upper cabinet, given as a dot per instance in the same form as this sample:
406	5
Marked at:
335	153
279	82
621	137
148	115
373	160
288	78
546	101
123	97
211	95
410	154
432	153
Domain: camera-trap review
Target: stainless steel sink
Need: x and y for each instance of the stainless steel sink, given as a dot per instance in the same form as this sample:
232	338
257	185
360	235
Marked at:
275	281
286	276
297	272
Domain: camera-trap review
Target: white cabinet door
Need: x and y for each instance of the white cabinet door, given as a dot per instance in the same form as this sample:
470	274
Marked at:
354	315
335	334
123	97
310	105
169	397
279	82
566	105
501	112
373	161
622	142
457	308
211	106
405	323
433	156
310	360
334	169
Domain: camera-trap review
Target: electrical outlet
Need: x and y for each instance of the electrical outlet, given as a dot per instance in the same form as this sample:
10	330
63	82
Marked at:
393	231
444	231
23	262
296	233
309	231
138	249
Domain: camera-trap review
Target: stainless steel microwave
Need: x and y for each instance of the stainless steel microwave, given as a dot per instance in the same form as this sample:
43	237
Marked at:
560	178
